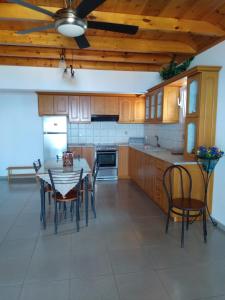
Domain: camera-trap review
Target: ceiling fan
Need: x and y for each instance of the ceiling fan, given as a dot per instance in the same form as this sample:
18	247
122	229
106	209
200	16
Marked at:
72	23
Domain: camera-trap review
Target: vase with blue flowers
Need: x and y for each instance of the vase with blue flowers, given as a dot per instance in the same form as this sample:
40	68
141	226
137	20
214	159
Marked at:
209	157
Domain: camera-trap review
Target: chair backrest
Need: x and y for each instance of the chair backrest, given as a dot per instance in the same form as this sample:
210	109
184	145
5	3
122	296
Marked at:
37	165
73	179
168	182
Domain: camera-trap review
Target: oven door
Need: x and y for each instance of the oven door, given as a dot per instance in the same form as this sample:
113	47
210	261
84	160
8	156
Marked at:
107	158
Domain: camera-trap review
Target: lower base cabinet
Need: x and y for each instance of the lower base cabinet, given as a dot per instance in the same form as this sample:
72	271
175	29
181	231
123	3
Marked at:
123	162
147	172
84	152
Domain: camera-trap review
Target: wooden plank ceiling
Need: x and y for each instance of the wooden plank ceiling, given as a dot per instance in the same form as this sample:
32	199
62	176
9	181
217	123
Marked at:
166	28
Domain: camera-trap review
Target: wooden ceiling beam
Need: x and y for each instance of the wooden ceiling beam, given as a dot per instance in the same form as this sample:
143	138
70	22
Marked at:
160	23
165	24
87	55
42	62
104	43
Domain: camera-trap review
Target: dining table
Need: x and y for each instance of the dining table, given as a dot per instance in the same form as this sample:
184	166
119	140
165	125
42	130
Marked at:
57	165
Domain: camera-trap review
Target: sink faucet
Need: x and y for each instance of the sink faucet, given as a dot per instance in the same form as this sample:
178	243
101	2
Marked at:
157	140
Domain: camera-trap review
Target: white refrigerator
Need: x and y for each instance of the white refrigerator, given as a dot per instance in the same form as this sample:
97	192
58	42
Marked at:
55	136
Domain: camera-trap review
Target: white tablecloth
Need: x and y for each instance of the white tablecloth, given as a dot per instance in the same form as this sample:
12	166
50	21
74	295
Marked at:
63	188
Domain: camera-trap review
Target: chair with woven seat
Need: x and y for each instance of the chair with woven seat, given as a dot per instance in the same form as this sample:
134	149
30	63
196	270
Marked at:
73	179
184	205
47	188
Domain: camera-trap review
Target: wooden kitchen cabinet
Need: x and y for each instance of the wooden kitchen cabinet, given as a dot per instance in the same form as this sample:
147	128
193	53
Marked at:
161	105
79	109
87	152
139	110
74	109
45	105
131	110
52	104
123	162
200	120
147	172
97	105
61	106
104	105
193	95
125	110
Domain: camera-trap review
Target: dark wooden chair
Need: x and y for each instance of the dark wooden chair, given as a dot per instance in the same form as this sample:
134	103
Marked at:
47	188
184	206
73	196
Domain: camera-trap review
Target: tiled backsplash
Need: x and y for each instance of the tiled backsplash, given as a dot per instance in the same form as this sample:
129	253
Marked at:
171	136
103	132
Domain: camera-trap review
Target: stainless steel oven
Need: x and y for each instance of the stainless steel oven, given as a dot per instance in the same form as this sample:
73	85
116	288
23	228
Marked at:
107	156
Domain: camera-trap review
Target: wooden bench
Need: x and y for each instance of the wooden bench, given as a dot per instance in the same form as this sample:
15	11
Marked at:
12	175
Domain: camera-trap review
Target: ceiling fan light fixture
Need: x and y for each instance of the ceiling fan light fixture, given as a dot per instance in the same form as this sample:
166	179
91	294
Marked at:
71	26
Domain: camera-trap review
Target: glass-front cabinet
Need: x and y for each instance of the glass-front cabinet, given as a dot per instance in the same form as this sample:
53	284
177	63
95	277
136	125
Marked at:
147	108
193	95
191	133
153	107
159	105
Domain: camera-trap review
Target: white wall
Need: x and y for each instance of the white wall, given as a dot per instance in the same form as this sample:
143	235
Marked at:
215	56
51	79
20	130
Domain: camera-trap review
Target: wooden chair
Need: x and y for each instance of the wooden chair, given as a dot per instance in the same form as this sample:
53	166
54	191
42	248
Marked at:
73	196
185	204
47	189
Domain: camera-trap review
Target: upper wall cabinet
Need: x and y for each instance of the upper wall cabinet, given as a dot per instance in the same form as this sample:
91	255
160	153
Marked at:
104	105
45	105
161	105
201	110
80	109
193	95
61	105
131	110
53	105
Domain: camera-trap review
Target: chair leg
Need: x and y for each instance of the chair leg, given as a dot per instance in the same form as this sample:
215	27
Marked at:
64	210
168	220
77	215
204	225
182	231
187	222
49	198
93	204
56	218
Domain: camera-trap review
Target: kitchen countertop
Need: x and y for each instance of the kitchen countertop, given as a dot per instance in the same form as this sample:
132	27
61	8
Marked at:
156	152
162	154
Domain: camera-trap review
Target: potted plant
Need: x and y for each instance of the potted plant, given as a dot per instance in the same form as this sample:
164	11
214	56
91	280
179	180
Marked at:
208	157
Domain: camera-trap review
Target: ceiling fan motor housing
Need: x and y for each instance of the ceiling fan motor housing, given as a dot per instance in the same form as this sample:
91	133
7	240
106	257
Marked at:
68	24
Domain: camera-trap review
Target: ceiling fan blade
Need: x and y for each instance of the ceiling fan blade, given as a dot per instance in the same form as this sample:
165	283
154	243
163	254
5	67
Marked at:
82	41
34	7
129	29
87	6
36	29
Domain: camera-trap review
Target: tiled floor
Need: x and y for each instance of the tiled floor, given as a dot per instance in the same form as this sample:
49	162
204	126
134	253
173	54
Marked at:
123	255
